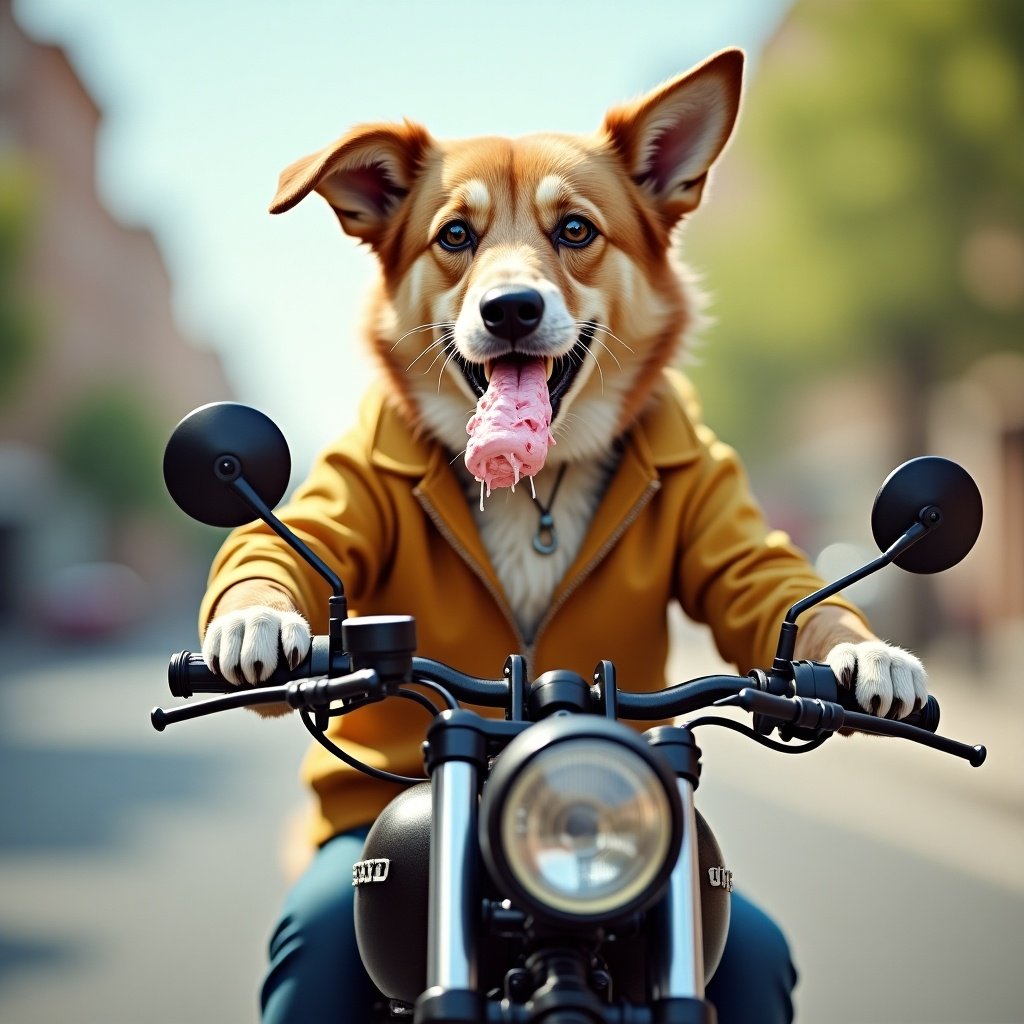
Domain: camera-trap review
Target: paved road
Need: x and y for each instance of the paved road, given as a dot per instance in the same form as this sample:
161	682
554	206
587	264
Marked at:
139	872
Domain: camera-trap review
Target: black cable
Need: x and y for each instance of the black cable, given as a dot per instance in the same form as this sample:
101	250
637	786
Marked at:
745	730
450	701
374	773
420	698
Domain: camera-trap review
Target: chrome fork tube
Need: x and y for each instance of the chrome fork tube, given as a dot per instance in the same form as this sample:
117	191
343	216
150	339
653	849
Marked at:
451	940
677	968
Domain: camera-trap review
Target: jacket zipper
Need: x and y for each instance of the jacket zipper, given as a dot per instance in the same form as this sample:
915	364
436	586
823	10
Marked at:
525	648
499	598
649	491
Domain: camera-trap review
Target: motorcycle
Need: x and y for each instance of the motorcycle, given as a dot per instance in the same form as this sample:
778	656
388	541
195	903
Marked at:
551	864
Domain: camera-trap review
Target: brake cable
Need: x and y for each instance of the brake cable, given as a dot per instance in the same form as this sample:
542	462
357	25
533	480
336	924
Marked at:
745	730
319	734
341	755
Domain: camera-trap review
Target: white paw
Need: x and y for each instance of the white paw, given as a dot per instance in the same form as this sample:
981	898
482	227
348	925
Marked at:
242	646
887	681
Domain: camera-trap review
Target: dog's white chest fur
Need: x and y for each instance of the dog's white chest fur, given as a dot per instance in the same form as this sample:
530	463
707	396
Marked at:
509	523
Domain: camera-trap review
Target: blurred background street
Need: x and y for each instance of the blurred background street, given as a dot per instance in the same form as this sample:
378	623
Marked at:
863	252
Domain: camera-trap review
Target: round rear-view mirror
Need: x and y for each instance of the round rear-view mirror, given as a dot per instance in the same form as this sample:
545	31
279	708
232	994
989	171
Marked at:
921	483
216	444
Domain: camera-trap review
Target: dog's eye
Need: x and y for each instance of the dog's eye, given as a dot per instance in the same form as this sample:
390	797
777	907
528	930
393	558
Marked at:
575	231
455	236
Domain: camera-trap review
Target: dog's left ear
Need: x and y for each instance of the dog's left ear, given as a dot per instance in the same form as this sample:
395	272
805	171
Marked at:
669	138
365	176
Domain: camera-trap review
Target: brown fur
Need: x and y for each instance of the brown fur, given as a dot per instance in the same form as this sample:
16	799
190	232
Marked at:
393	186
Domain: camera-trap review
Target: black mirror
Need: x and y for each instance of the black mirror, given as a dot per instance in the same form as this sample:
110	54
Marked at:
216	444
921	483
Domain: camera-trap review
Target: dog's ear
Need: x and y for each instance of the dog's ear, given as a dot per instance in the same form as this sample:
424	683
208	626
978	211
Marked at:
365	176
669	138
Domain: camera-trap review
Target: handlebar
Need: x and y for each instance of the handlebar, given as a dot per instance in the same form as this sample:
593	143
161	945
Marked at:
188	674
820	704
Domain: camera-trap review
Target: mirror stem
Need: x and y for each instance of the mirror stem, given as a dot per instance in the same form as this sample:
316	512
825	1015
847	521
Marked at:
241	487
928	519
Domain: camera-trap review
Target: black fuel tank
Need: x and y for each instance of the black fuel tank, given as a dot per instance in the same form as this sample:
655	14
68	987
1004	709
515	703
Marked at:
391	902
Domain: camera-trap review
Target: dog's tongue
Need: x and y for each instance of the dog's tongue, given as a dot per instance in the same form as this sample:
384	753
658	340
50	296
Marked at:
510	433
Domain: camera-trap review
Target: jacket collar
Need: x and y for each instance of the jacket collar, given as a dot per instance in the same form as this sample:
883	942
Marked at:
664	437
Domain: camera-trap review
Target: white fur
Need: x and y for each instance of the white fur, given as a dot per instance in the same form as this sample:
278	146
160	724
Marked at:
509	523
881	675
243	645
550	191
478	198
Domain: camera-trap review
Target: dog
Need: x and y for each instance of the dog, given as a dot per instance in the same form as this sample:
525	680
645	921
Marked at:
538	274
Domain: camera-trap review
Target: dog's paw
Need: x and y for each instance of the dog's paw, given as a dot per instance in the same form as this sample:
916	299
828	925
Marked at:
243	646
887	681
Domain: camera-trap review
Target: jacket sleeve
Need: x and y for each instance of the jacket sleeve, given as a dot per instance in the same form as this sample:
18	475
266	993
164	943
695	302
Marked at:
734	572
342	511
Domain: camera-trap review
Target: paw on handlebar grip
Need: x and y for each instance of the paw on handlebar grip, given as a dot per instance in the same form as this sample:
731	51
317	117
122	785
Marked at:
815	679
926	718
188	673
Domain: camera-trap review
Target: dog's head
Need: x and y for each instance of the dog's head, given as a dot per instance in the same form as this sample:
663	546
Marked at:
551	249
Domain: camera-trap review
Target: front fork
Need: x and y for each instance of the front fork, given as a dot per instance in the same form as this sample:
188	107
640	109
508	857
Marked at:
456	755
676	959
677	964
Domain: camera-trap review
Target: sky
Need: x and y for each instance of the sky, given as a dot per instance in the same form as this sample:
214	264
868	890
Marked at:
205	102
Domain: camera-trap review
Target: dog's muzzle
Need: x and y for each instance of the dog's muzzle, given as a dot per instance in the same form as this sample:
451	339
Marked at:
511	313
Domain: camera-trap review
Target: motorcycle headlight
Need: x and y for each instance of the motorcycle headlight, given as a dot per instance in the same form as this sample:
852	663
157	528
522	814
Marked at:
580	819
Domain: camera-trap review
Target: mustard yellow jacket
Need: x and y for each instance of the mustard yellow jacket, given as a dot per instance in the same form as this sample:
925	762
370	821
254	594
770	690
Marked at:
384	508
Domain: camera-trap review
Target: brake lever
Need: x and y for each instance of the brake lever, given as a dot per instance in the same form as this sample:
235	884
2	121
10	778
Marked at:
311	694
860	722
827	716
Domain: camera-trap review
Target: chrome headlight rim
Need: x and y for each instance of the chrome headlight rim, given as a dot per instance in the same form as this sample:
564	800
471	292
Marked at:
516	757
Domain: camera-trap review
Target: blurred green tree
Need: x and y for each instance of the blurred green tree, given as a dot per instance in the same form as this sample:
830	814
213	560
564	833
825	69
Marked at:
110	443
19	328
871	211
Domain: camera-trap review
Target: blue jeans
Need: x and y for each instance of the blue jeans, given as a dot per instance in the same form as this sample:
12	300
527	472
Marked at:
316	977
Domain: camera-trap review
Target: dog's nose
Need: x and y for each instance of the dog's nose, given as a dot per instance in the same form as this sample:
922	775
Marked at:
511	311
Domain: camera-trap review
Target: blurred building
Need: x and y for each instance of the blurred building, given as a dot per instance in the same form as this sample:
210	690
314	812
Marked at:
91	303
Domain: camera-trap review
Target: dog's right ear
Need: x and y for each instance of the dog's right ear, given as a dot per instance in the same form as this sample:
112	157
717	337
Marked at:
365	176
669	138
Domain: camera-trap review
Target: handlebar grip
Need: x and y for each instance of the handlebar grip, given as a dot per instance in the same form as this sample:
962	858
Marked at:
188	674
815	679
926	718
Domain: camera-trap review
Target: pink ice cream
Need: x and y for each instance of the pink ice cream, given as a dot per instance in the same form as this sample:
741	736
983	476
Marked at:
510	433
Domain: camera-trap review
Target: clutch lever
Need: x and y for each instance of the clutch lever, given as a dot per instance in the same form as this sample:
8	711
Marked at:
828	716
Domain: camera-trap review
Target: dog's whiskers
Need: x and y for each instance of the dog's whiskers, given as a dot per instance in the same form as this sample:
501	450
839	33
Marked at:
604	329
442	341
580	357
446	324
561	428
451	355
448	348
